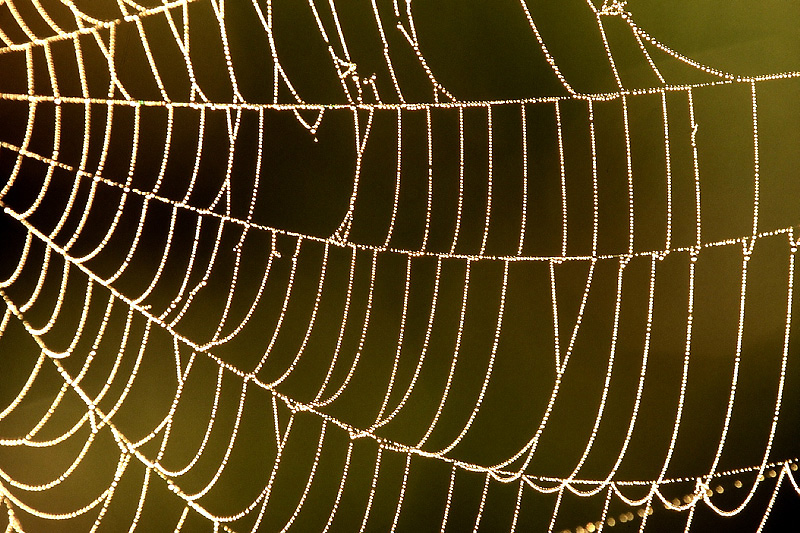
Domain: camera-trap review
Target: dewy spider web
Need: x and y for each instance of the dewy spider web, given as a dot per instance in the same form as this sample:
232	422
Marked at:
522	313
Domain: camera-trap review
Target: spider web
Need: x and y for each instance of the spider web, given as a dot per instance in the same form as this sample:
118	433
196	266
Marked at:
465	319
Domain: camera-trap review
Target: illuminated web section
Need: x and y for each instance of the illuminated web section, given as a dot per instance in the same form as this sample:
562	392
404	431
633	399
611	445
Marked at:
202	334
